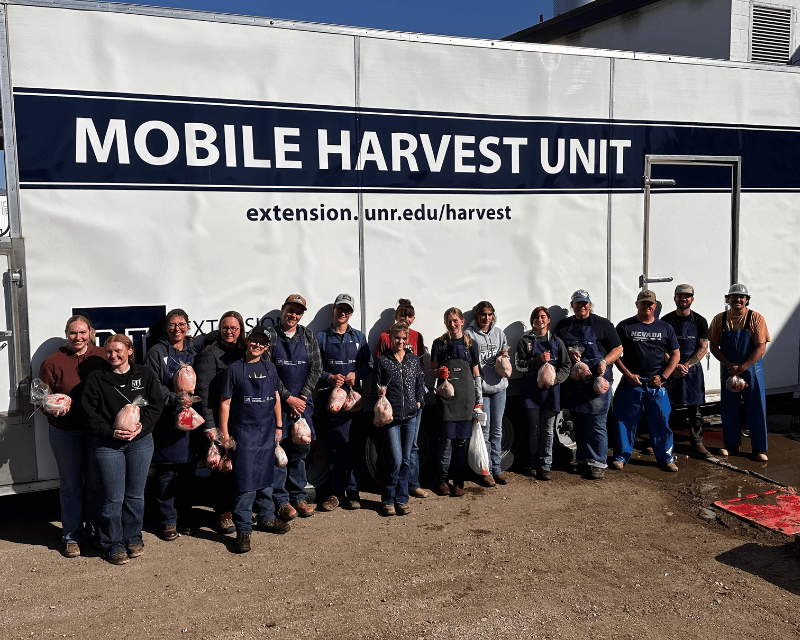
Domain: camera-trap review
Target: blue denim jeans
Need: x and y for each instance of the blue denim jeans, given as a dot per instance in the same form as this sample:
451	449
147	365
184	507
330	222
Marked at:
629	402
76	470
398	437
290	481
453	459
261	499
123	473
591	436
541	425
174	492
494	406
413	475
344	461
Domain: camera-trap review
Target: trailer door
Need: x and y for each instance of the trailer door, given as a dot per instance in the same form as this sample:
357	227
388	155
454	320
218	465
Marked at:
691	222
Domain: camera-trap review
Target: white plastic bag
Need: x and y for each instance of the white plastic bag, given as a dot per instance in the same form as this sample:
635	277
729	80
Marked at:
478	456
502	365
280	456
547	376
735	384
300	431
353	401
56	404
383	409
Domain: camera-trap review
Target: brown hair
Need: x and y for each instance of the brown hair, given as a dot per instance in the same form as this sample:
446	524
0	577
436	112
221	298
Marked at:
484	304
455	311
240	320
404	308
397	327
122	339
80	318
536	311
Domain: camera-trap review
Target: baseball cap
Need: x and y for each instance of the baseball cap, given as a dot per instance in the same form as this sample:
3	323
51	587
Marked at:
345	298
646	296
581	295
296	298
684	288
259	330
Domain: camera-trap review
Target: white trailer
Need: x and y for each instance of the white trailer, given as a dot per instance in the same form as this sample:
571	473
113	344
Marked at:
160	158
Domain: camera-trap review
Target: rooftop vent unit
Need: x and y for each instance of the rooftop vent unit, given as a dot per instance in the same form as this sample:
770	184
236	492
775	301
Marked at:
771	36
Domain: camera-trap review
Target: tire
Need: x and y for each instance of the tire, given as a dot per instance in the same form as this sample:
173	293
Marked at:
507	444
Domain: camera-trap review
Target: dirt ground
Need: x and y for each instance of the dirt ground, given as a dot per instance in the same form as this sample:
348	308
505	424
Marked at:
632	556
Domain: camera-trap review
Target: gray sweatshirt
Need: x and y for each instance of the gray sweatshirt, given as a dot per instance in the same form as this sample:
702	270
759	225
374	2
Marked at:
489	343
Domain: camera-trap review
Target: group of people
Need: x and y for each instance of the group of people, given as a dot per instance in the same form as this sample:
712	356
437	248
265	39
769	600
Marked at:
253	392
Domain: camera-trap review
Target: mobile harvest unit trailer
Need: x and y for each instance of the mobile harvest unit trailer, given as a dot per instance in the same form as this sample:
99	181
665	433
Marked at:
158	158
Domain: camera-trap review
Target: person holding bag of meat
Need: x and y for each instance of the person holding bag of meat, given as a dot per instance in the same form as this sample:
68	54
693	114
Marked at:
454	361
122	423
492	342
295	353
399	376
250	414
65	372
346	360
173	455
541	388
593	341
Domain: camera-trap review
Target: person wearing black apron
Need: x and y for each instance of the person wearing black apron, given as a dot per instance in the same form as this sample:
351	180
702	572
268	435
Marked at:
687	390
250	413
346	361
646	341
174	455
455	358
294	351
738	339
594	341
536	348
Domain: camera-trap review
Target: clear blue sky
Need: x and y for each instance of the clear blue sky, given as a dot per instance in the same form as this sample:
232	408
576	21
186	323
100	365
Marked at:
470	18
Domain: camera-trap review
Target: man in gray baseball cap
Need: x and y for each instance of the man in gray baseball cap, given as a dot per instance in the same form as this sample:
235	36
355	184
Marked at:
687	387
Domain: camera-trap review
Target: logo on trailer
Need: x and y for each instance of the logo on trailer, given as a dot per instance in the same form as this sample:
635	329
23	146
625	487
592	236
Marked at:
134	322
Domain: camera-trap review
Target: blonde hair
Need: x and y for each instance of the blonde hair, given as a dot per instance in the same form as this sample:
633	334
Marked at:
455	311
397	327
80	318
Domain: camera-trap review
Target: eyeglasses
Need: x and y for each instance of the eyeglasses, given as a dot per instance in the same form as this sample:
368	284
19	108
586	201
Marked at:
177	325
737	297
230	329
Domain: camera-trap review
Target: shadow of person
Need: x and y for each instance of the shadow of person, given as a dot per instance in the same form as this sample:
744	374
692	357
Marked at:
775	564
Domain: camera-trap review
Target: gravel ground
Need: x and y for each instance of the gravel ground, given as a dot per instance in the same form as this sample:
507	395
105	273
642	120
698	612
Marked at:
631	556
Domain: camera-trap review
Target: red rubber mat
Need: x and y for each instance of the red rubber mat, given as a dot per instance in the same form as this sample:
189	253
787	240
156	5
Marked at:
778	510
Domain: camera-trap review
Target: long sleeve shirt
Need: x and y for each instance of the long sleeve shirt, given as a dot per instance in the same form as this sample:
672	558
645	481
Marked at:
363	357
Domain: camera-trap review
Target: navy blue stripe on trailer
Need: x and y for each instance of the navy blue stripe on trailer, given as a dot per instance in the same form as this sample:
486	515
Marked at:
102	142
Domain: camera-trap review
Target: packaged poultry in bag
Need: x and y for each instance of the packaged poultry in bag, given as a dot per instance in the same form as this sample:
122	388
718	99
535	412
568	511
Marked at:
353	401
575	352
184	379
735	384
188	419
600	385
280	456
226	463
56	404
128	417
478	456
301	432
336	400
445	389
547	376
580	371
502	365
383	409
213	457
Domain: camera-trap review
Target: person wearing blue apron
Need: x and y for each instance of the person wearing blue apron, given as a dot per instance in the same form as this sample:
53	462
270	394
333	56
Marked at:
456	358
687	390
174	455
294	351
250	413
645	343
542	404
738	339
346	361
594	341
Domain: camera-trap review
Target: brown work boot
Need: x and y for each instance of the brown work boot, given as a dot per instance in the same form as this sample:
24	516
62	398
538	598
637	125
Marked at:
443	489
670	466
304	510
501	478
330	504
242	542
617	465
488	481
72	550
403	509
700	450
287	512
170	533
418	492
135	550
226	523
458	490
